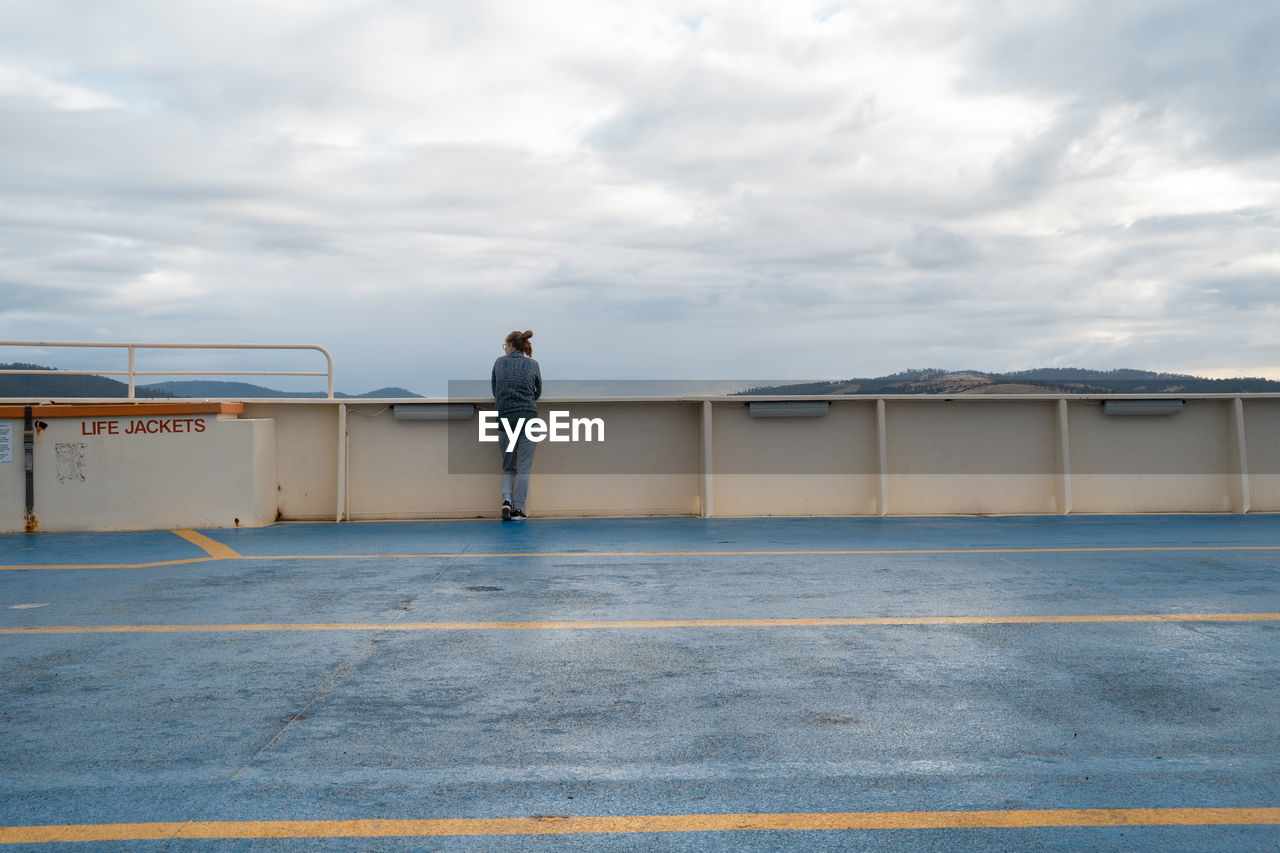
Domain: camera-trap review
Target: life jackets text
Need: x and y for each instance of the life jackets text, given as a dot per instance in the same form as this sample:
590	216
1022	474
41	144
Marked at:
150	426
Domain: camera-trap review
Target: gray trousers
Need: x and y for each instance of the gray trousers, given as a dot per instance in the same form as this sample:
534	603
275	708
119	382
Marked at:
516	466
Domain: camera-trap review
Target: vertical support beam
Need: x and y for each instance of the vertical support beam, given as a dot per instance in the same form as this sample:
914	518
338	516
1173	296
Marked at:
708	462
132	376
1242	495
28	459
342	462
1064	452
882	457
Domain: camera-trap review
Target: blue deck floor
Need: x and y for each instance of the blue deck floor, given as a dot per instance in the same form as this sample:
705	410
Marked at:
475	670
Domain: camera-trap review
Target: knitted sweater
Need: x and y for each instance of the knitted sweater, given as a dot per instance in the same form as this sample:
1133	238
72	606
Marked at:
516	382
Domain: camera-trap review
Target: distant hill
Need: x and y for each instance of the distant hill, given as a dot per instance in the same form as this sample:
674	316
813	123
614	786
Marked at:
57	386
212	388
1048	380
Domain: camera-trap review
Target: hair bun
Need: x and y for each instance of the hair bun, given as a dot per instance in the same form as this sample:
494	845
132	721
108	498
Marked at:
528	333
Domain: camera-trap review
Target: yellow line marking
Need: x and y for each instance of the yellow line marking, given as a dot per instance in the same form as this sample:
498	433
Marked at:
806	552
642	823
81	566
225	553
216	551
211	547
625	624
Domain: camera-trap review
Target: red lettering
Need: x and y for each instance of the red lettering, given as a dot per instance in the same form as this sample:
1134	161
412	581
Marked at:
153	426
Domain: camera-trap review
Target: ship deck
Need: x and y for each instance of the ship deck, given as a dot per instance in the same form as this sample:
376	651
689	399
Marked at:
1090	682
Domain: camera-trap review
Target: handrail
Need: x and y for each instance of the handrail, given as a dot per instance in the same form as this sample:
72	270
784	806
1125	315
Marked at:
133	372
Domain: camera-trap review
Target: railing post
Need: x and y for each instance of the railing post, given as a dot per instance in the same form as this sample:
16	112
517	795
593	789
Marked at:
1064	444
882	457
342	462
132	349
1242	455
329	363
708	461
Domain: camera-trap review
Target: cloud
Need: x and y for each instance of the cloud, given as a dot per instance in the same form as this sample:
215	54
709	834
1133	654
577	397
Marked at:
1207	68
659	189
933	248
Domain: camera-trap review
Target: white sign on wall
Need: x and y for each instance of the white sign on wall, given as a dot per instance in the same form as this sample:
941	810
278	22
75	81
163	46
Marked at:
6	442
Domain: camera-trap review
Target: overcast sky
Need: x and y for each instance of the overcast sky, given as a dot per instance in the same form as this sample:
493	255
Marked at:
658	189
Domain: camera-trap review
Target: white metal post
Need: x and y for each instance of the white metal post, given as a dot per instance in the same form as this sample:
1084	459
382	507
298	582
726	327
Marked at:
708	460
882	457
1242	453
342	462
1064	444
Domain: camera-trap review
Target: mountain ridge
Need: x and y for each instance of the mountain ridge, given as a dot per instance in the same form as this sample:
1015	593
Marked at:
1044	380
56	385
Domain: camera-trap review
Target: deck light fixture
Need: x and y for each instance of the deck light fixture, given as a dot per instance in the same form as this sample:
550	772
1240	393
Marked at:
788	408
1142	407
433	411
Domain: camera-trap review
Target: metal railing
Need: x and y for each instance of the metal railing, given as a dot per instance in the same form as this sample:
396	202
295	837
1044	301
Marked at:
133	372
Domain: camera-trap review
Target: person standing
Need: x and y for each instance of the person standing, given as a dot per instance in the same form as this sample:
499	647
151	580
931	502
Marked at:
516	382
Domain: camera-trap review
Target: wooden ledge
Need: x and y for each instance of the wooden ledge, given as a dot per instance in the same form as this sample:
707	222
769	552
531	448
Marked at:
115	410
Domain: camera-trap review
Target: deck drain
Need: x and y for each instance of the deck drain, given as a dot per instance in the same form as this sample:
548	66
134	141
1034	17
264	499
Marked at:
483	589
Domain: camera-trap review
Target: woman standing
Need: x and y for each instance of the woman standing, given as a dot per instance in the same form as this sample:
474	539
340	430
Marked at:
517	384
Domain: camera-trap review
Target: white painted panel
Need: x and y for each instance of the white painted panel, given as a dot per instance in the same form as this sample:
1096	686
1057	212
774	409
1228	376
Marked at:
1262	438
129	478
972	456
795	466
1170	463
647	464
306	456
